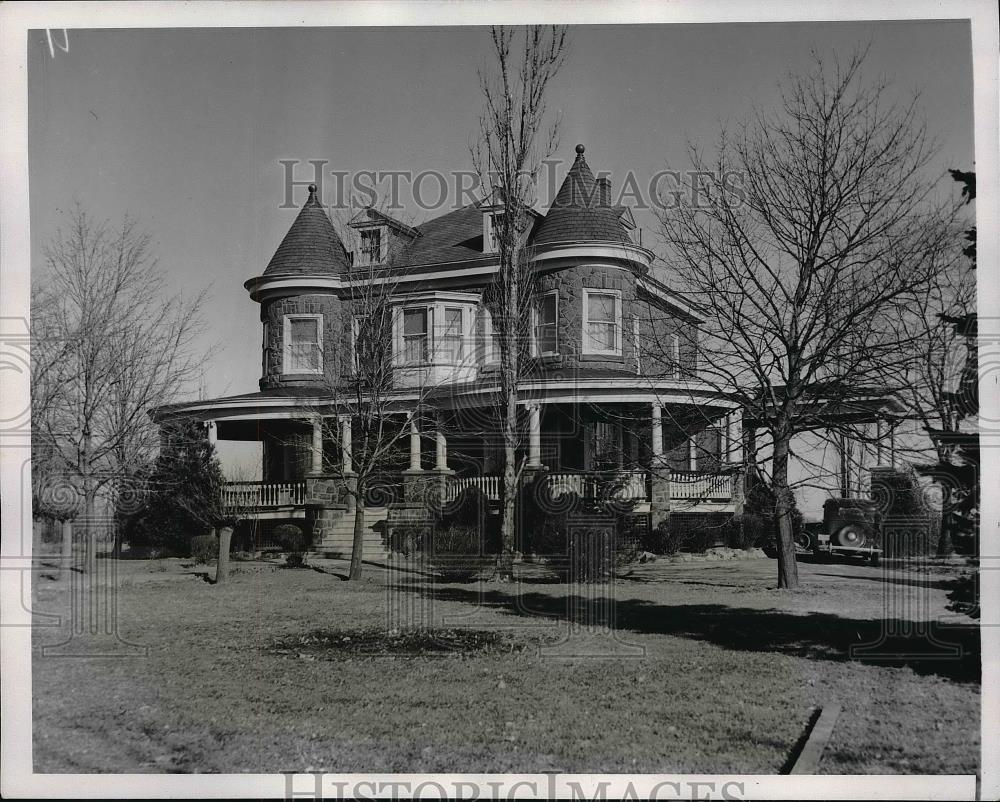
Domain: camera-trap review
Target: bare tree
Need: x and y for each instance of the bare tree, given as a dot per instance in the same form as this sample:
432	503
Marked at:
365	388
514	139
108	343
804	242
940	386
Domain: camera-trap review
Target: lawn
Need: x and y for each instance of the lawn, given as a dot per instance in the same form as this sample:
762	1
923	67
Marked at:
694	667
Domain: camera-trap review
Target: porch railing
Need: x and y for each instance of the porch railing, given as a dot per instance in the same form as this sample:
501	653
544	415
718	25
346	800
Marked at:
709	486
489	485
626	484
252	495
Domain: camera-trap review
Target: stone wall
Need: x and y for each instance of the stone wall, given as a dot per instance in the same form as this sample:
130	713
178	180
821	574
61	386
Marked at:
655	325
272	313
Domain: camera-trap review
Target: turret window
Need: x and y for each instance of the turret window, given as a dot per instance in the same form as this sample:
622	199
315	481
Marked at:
602	322
546	314
303	339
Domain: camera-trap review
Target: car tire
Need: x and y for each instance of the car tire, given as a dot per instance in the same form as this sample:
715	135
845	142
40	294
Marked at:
804	541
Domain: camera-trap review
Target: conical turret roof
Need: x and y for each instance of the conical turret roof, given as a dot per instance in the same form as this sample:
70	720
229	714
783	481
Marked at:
580	211
311	247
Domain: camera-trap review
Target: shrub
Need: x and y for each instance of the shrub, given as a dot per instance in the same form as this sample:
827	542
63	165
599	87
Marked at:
407	539
204	548
472	510
291	540
745	531
457	551
663	540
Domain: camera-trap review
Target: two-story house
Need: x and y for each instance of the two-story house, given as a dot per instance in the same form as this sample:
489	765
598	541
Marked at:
611	385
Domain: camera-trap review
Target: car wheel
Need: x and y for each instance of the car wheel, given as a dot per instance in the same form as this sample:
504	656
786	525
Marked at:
850	535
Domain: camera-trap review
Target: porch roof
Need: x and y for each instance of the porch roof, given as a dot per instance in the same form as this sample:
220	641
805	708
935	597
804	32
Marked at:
588	386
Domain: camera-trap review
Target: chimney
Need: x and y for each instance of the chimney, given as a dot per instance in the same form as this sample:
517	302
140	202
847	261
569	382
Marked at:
604	191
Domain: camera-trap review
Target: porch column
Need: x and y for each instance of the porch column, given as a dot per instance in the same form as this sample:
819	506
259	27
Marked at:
317	445
414	444
345	445
880	448
657	430
659	473
692	453
441	444
534	436
213	434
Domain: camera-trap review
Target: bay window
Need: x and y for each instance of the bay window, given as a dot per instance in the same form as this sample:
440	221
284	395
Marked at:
602	322
452	336
415	339
303	340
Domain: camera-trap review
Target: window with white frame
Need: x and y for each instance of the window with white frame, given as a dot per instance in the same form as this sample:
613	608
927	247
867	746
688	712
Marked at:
371	246
416	349
546	331
303	339
491	236
265	355
637	344
357	344
602	322
452	338
484	334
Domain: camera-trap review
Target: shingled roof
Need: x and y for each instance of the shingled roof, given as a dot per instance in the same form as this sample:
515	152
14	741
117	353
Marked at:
311	247
580	211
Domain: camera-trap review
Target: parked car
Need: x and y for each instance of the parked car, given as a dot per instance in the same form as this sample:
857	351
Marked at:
851	527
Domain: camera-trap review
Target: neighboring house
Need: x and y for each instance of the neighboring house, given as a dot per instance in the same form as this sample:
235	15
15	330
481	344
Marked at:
598	397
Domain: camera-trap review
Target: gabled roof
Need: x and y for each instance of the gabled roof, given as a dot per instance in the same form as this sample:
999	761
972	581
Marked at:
579	212
311	247
369	216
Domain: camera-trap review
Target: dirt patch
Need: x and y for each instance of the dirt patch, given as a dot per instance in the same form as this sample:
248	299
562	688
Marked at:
372	643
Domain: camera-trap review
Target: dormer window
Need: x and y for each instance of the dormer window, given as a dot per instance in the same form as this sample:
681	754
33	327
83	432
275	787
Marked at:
492	230
371	246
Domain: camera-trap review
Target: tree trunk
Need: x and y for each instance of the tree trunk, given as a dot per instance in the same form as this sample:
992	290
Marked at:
89	507
945	545
66	557
222	564
788	570
508	522
358	545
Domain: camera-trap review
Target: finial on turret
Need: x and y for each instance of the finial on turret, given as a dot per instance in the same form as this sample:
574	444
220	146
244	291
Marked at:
312	189
579	151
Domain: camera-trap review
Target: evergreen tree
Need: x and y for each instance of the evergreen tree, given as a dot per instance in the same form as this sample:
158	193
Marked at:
185	492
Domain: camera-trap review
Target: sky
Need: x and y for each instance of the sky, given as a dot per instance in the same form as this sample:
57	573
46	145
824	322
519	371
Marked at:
185	128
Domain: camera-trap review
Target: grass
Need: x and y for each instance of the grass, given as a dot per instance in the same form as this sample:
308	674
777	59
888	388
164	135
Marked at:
707	668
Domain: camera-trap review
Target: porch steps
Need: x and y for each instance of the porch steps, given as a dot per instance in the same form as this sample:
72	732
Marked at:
339	543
